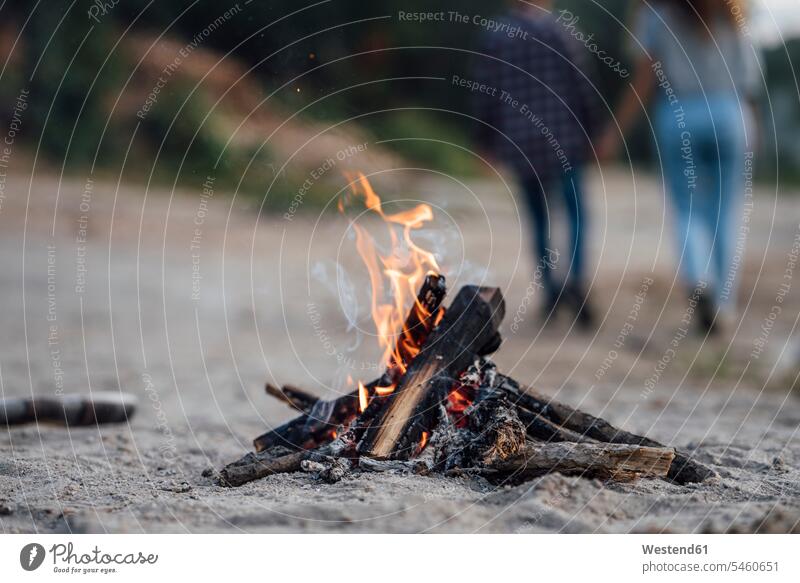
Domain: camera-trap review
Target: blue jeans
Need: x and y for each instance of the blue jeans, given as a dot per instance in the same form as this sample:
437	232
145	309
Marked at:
570	189
703	157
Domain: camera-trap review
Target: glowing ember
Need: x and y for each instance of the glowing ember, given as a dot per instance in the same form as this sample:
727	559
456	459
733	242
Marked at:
458	400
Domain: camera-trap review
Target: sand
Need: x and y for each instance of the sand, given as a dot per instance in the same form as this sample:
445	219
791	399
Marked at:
192	304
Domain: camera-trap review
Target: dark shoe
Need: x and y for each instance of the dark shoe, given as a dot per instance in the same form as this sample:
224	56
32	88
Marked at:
548	311
578	300
705	313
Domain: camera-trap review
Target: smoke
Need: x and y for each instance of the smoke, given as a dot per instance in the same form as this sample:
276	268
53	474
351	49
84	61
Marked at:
337	284
342	288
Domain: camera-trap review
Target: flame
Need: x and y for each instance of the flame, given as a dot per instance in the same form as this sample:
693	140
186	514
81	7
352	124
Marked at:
363	397
423	440
394	276
438	318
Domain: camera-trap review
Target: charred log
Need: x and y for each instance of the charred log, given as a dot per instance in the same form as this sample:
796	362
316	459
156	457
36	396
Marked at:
468	327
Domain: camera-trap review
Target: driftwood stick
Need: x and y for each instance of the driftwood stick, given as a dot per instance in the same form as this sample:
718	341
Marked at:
292	396
683	470
602	460
236	474
253	466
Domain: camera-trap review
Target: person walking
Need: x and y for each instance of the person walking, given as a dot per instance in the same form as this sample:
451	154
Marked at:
538	115
699	76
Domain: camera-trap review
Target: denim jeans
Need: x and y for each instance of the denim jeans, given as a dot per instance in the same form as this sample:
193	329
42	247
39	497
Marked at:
702	151
569	188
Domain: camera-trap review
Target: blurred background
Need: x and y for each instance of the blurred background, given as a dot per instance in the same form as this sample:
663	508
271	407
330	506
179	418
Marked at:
231	74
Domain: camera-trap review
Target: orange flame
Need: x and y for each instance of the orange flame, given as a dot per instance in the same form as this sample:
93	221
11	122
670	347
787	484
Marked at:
363	397
423	440
403	267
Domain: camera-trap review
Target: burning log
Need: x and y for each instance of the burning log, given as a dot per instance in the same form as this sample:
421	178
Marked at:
469	326
601	460
312	428
418	324
317	423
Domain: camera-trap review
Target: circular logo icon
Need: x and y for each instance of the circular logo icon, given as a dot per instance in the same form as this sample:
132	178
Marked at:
31	556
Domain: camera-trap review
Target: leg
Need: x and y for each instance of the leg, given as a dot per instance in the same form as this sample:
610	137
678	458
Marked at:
577	218
536	203
679	155
572	189
728	188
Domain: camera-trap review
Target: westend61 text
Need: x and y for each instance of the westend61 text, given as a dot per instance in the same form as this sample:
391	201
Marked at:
675	550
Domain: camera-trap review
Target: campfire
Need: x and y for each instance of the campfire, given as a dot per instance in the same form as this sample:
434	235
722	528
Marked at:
441	406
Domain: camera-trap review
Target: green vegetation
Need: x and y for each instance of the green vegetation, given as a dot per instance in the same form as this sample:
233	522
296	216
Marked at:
337	60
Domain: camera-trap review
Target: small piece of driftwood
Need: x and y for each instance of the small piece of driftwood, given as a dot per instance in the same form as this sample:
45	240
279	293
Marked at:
72	410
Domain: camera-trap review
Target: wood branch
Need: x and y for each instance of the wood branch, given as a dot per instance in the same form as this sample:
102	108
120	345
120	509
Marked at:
238	473
72	410
296	398
683	470
621	462
316	425
469	325
253	466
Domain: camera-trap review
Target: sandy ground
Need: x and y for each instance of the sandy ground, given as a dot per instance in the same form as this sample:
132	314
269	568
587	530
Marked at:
193	303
